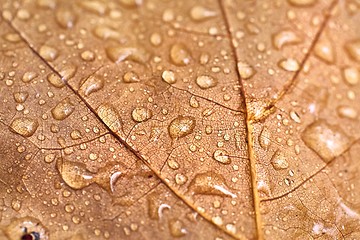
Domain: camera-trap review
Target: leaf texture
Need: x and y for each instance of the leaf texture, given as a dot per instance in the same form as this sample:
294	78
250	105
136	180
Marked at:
178	119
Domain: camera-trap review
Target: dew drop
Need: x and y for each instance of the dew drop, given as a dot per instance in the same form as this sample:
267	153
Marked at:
68	72
328	141
222	156
325	51
104	32
353	49
131	3
131	77
49	158
74	174
302	3
75	134
295	116
284	38
16	204
180	54
210	183
88	56
12	37
20	97
278	161
347	112
48	53
245	70
176	228
290	65
264	138
55	80
24	126
63	109
90	85
351	75
119	54
168	76
110	117
155	39
194	102
65	18
206	82
94	6
141	114
51	4
180	179
29	76
200	13
181	126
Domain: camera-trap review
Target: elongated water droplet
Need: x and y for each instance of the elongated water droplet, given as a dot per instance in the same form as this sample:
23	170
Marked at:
65	18
181	126
104	32
245	70
324	50
279	161
119	54
290	65
92	84
353	49
264	138
24	126
63	109
351	75
131	77
302	3
347	112
141	114
205	82
29	76
222	156
200	13
55	80
47	3
94	6
284	38
110	117
48	53
180	54
131	3
328	141
12	37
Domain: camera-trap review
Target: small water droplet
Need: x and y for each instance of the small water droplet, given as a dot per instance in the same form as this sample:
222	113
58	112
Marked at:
141	114
48	53
222	156
176	228
131	77
104	32
65	18
55	80
119	54
168	15
353	49
324	50
206	82
49	158
168	76
24	126
200	13
16	204
88	56
29	76
91	84
63	109
295	116
156	39
210	183
180	54
328	141
279	161
217	220
68	72
20	97
110	117
302	3
245	70
181	126
351	75
51	4
347	112
194	102
264	138
284	38
290	65
131	3
94	6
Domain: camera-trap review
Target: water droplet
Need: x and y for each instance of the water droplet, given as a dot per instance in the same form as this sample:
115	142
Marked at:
180	179
168	76
34	229
12	37
194	102
88	56
29	76
291	65
68	72
245	70
347	112
264	138
65	18
176	228
49	158
24	126
155	39
206	82
284	38
63	109
324	50
131	3
180	54
119	54
16	204
200	13
278	161
295	116
75	134
328	141
91	84
217	220
168	15
131	77
104	32
47	3
302	3
210	183
351	75
110	117
94	6
181	126
21	97
222	156
353	49
141	114
74	174
55	80
48	53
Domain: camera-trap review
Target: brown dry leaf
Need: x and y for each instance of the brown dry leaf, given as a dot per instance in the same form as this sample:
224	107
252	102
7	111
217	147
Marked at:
159	119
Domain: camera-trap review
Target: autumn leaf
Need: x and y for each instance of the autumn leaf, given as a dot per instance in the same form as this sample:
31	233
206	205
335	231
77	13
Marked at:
159	119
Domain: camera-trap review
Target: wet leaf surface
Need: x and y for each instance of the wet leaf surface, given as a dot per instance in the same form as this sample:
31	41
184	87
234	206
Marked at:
177	119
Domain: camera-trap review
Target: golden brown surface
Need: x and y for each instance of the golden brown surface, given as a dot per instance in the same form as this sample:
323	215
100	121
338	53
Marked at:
159	119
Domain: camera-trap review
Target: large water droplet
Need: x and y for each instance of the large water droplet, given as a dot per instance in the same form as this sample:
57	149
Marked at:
110	117
74	174
104	32
21	97
290	65
285	37
63	109
65	18
324	50
205	81
68	72
279	161
200	13
210	183
94	6
245	70
347	112
302	3
181	126
353	49
168	76
180	54
48	53
141	114
351	75
55	80
91	84
119	54
29	76
24	126
328	141
222	156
